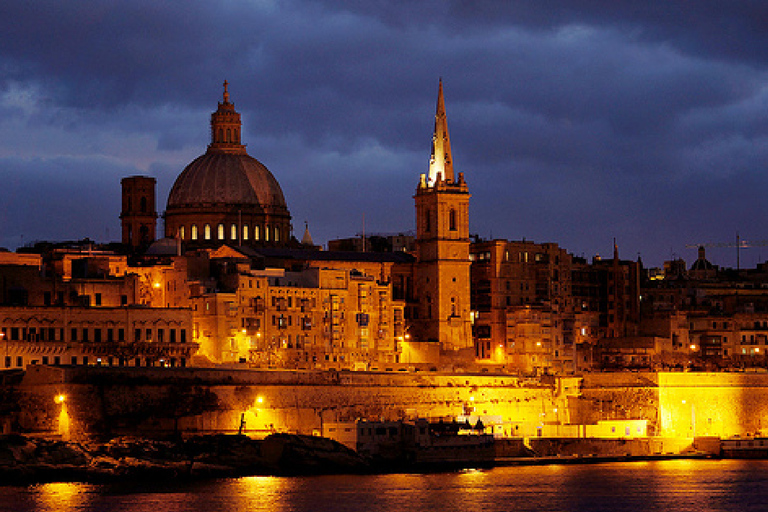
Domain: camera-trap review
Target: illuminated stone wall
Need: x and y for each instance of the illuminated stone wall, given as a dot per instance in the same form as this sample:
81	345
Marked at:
146	400
717	404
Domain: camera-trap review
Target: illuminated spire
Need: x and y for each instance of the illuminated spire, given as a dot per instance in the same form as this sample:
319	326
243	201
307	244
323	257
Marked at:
441	161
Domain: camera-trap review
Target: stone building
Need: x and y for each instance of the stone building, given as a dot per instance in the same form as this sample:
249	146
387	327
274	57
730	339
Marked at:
87	307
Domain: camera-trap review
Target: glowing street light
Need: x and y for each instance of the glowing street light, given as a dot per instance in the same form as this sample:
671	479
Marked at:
60	399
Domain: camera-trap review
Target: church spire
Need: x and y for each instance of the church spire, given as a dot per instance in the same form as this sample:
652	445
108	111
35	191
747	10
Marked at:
226	127
441	161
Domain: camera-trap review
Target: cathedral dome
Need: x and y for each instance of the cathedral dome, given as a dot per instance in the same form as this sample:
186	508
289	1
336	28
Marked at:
226	179
226	195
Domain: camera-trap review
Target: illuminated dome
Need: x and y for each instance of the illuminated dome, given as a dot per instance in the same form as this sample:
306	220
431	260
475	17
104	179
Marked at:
226	179
225	195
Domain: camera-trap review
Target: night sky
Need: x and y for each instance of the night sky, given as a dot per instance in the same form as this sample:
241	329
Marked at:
574	121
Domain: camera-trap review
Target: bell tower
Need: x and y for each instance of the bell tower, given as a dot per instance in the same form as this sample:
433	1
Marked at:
138	218
442	240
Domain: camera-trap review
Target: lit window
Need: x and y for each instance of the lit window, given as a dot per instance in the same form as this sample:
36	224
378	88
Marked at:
207	232
181	232
277	234
233	232
256	232
266	233
220	231
245	232
194	231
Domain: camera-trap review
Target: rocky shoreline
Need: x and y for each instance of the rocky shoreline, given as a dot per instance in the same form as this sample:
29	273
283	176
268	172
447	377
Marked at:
26	460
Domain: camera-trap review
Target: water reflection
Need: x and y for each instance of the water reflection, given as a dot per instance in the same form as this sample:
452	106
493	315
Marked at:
62	497
674	486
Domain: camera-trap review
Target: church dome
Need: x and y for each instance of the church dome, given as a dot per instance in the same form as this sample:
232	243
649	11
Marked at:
226	179
226	195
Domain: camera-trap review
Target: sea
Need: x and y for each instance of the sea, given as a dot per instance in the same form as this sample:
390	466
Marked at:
669	485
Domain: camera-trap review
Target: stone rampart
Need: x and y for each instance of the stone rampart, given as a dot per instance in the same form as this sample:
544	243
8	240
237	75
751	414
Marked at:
152	400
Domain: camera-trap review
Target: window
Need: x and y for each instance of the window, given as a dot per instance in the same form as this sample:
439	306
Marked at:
183	335
173	336
452	220
110	335
143	204
277	234
245	232
256	232
97	299
220	232
266	233
233	232
181	232
74	334
121	334
194	231
207	232
428	221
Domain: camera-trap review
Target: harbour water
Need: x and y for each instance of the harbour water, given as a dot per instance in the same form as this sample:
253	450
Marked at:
671	485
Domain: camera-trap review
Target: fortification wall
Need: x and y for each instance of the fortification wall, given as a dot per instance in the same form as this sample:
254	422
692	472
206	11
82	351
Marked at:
137	400
134	399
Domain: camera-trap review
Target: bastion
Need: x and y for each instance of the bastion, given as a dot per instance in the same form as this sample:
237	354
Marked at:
92	401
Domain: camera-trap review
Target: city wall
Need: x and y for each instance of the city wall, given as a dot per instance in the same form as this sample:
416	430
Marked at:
161	401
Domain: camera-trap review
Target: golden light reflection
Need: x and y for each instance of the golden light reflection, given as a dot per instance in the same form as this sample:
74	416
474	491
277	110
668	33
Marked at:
62	497
264	492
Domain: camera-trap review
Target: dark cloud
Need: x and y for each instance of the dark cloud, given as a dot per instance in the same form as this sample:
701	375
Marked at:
575	121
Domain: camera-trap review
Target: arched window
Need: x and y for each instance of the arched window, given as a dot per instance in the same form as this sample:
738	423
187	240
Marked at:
237	136
221	135
266	233
245	232
229	135
277	234
194	232
428	221
143	204
233	232
452	220
181	232
207	231
256	232
220	231
453	306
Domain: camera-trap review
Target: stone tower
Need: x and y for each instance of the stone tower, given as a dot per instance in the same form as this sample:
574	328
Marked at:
442	239
138	218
